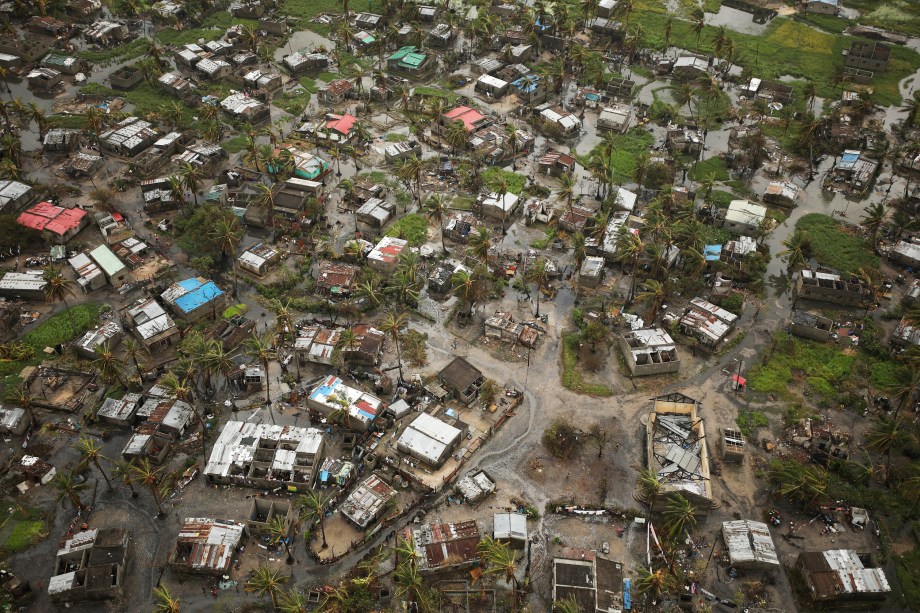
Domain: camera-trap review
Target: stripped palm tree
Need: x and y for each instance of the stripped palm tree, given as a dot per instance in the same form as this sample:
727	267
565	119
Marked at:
91	453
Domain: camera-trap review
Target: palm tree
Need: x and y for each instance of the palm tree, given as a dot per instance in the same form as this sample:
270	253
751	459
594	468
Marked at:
227	234
107	365
874	219
435	209
668	27
393	323
567	605
805	484
798	249
480	243
499	559
630	249
679	515
683	94
94	120
464	285
266	200
134	349
165	601
91	452
456	135
58	287
292	601
537	274
655	293
150	477
650	487
410	171
261	349
697	29
124	470
68	488
267	581
313	509
579	250
884	436
278	531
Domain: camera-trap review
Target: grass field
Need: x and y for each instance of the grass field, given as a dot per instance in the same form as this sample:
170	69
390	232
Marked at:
572	378
293	102
787	47
714	166
119	53
623	157
22	528
413	228
899	15
235	144
832	246
492	178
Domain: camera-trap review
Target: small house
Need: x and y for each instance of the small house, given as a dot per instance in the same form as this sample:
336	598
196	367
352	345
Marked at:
781	193
615	117
44	79
385	255
591	272
555	163
743	217
462	379
56	224
259	259
492	87
872	56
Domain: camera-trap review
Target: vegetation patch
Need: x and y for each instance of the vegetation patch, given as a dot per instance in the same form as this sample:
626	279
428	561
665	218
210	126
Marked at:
713	167
294	102
412	228
827	370
186	37
235	144
118	53
908	570
624	149
22	528
834	247
493	176
749	421
572	377
234	310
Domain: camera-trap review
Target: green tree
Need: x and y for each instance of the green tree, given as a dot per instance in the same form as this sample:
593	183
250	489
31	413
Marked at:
124	470
499	559
392	325
797	249
107	365
58	288
313	510
266	580
261	349
150	477
165	601
278	533
538	274
884	436
90	453
69	488
679	516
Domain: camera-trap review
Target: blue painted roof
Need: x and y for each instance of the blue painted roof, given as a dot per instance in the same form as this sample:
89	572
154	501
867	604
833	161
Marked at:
198	297
189	284
712	252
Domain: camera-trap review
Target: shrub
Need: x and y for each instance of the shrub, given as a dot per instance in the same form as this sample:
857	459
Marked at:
748	421
560	438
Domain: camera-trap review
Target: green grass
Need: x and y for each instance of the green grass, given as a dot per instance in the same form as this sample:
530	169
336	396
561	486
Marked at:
395	137
786	47
185	37
721	198
908	571
548	237
75	122
308	9
712	6
148	99
327	77
749	421
53	331
121	53
493	176
894	14
22	527
309	84
713	166
413	228
828	23
572	378
462	203
97	90
825	368
832	246
293	102
234	310
235	144
623	156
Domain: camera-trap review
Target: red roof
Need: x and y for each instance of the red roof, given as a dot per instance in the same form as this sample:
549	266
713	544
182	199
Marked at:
738	379
468	116
340	123
46	216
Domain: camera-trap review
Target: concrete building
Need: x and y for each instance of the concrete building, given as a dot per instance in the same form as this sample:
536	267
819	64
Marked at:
684	140
409	61
503	327
575	218
510	528
126	78
620	87
28	285
129	137
45	79
89	566
872	56
749	545
358	409
304	61
706	322
557	119
119	411
839	575
259	259
151	324
596	583
384	257
905	253
649	352
402	151
731	445
821	7
15	196
194	299
555	163
810	325
336	280
376	212
266	456
833	288
615	117
462	379
499	206
444	547
906	334
206	546
14	421
263	510
245	108
476	487
108	335
429	440
744	218
116	273
472	120
492	87
335	91
56	224
591	272
367	501
781	193
677	452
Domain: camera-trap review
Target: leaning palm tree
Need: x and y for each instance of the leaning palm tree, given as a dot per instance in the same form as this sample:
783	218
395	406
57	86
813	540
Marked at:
133	349
266	580
165	601
284	318
278	533
261	349
58	287
410	585
650	487
107	365
435	209
313	509
798	249
292	601
348	340
464	286
654	293
191	179
227	234
500	559
630	249
538	274
884	436
874	219
69	488
150	477
124	470
392	325
679	515
480	242
91	453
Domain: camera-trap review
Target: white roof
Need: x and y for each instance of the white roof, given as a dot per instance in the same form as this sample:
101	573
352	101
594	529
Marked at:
493	81
510	525
237	443
10	416
617	114
743	211
910	251
507	202
30	280
626	199
854	576
428	437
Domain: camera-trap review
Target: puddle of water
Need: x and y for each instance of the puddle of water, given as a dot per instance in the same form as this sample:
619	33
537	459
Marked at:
304	39
737	20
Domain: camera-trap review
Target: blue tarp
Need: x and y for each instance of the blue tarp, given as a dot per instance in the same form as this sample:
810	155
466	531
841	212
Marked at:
324	476
527	84
198	297
627	599
712	252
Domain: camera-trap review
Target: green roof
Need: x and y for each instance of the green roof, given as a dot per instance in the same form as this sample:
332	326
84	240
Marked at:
413	60
403	52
